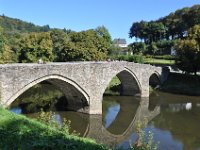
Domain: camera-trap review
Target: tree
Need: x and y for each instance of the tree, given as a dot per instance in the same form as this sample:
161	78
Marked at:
156	31
104	33
35	46
152	48
139	30
59	38
188	51
84	46
6	54
138	47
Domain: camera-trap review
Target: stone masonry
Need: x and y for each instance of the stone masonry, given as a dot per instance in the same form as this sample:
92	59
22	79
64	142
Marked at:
82	82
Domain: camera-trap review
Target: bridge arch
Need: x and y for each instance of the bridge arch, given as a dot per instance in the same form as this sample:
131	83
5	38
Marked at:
66	85
154	79
130	85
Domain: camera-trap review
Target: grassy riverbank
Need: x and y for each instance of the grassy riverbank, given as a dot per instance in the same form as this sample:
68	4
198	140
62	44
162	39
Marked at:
182	84
19	132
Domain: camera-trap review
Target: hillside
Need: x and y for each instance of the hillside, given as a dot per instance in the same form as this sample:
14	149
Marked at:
12	25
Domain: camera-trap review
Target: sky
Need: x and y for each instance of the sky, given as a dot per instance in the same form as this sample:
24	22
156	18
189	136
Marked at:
116	15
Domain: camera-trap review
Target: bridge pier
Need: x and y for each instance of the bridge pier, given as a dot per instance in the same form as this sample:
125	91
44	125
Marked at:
95	105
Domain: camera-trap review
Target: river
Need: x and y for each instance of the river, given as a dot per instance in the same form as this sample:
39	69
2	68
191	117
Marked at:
173	119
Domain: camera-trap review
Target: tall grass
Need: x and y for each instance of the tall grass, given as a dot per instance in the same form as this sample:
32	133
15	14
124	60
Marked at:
20	133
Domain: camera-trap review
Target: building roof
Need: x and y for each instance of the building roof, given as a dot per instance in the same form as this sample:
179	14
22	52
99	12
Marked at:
119	41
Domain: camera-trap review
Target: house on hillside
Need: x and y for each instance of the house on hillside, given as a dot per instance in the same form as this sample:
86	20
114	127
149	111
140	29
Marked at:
120	42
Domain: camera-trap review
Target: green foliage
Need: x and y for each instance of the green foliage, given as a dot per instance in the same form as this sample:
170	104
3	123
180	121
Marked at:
6	54
165	31
114	87
86	45
26	42
148	31
138	47
21	133
188	51
60	41
48	119
35	46
114	50
42	95
81	46
166	57
130	58
12	25
165	46
104	33
152	48
145	140
172	26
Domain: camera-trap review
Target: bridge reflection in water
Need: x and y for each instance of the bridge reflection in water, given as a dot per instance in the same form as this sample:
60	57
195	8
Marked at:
131	111
124	124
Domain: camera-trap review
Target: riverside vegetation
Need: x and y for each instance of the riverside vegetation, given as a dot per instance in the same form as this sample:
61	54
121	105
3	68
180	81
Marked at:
19	132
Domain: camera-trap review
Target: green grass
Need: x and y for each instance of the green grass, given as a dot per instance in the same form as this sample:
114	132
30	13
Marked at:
159	61
182	84
20	133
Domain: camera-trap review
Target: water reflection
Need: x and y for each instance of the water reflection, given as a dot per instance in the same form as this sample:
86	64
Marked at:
174	120
16	110
111	115
177	126
132	111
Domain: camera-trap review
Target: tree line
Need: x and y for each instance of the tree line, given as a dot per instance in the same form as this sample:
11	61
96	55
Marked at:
24	42
160	35
179	30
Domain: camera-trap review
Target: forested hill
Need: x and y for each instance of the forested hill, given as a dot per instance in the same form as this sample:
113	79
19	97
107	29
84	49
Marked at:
21	41
11	25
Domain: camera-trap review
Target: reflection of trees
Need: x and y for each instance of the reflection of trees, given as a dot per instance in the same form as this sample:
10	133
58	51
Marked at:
183	124
42	95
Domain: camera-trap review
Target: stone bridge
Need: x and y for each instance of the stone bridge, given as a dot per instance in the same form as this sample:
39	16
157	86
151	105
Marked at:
83	83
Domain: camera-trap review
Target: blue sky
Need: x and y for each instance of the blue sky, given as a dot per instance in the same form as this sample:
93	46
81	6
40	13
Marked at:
116	15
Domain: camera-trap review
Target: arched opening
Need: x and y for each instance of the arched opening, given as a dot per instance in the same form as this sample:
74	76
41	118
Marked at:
154	84
119	102
56	94
51	93
124	83
120	114
154	80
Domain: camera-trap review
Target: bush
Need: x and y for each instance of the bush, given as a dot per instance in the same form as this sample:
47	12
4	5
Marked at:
136	58
145	140
20	133
130	58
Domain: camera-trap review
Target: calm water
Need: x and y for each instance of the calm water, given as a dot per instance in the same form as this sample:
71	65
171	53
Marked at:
174	120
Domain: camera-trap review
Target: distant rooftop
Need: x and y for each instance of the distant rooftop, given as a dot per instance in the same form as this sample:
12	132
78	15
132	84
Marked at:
119	41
